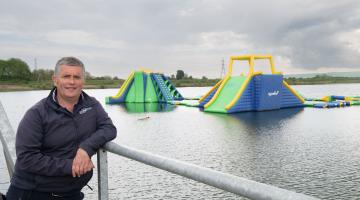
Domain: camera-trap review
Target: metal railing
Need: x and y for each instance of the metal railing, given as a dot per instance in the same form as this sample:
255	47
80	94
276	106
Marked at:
7	138
226	182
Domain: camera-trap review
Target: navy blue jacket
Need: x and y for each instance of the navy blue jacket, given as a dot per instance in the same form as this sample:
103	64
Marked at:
48	138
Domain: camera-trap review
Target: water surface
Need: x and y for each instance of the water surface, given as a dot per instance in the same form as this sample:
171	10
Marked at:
308	150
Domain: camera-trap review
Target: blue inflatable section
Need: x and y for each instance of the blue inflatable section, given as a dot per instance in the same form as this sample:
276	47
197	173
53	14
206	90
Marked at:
122	98
265	92
208	98
165	89
268	92
288	99
333	104
335	97
174	92
145	77
246	101
165	93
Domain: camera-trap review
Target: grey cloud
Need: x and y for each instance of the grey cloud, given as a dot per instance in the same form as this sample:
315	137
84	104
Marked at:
114	37
314	37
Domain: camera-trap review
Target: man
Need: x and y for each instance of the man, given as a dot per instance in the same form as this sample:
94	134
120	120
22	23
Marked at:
57	137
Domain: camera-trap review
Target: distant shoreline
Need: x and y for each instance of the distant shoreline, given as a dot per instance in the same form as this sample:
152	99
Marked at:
8	86
17	87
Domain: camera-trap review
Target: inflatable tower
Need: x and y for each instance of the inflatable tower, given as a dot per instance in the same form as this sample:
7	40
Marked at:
143	87
253	92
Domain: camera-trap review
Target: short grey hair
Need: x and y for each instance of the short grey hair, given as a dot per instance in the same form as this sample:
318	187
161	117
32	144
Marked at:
70	61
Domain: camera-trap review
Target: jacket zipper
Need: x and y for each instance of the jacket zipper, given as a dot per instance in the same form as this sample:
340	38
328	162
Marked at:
77	139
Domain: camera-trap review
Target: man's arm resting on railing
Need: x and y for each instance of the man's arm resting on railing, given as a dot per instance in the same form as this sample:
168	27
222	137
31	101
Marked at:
104	133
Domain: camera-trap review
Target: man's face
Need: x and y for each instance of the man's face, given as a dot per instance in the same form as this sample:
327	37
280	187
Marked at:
69	82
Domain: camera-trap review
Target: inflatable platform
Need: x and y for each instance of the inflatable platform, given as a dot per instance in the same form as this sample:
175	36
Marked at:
333	101
253	92
143	87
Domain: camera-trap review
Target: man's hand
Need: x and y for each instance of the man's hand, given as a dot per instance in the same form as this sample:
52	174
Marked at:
81	163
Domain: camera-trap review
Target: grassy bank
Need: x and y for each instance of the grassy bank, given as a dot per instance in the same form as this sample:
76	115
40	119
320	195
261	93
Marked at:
95	84
322	79
194	82
48	84
187	82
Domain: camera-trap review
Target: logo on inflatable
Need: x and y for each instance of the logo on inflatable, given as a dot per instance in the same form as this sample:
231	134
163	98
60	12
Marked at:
275	93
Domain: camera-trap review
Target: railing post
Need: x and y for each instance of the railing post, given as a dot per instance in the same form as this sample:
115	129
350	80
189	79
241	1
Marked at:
9	162
7	139
102	165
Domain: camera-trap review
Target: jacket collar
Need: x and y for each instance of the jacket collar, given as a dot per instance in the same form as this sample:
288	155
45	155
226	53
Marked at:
53	93
84	100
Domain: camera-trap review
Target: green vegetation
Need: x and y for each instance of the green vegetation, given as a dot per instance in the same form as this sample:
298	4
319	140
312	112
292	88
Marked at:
180	74
15	74
14	69
194	82
48	84
321	79
181	79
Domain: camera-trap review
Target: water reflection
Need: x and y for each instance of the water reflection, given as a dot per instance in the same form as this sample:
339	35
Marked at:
259	122
262	142
146	107
266	118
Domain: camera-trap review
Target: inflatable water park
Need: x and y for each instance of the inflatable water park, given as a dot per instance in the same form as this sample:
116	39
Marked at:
255	91
332	101
252	92
144	86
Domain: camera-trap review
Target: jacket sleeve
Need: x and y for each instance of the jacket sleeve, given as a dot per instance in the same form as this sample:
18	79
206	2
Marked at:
105	132
28	144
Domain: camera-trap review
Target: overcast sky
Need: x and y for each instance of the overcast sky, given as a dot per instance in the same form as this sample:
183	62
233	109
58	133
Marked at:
114	37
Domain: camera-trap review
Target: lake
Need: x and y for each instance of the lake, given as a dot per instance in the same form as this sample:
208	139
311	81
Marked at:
307	150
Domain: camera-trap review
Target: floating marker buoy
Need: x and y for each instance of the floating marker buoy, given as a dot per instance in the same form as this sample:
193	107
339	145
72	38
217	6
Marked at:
147	117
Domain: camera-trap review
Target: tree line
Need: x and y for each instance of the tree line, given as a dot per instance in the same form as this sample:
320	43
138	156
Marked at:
321	79
180	74
15	69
